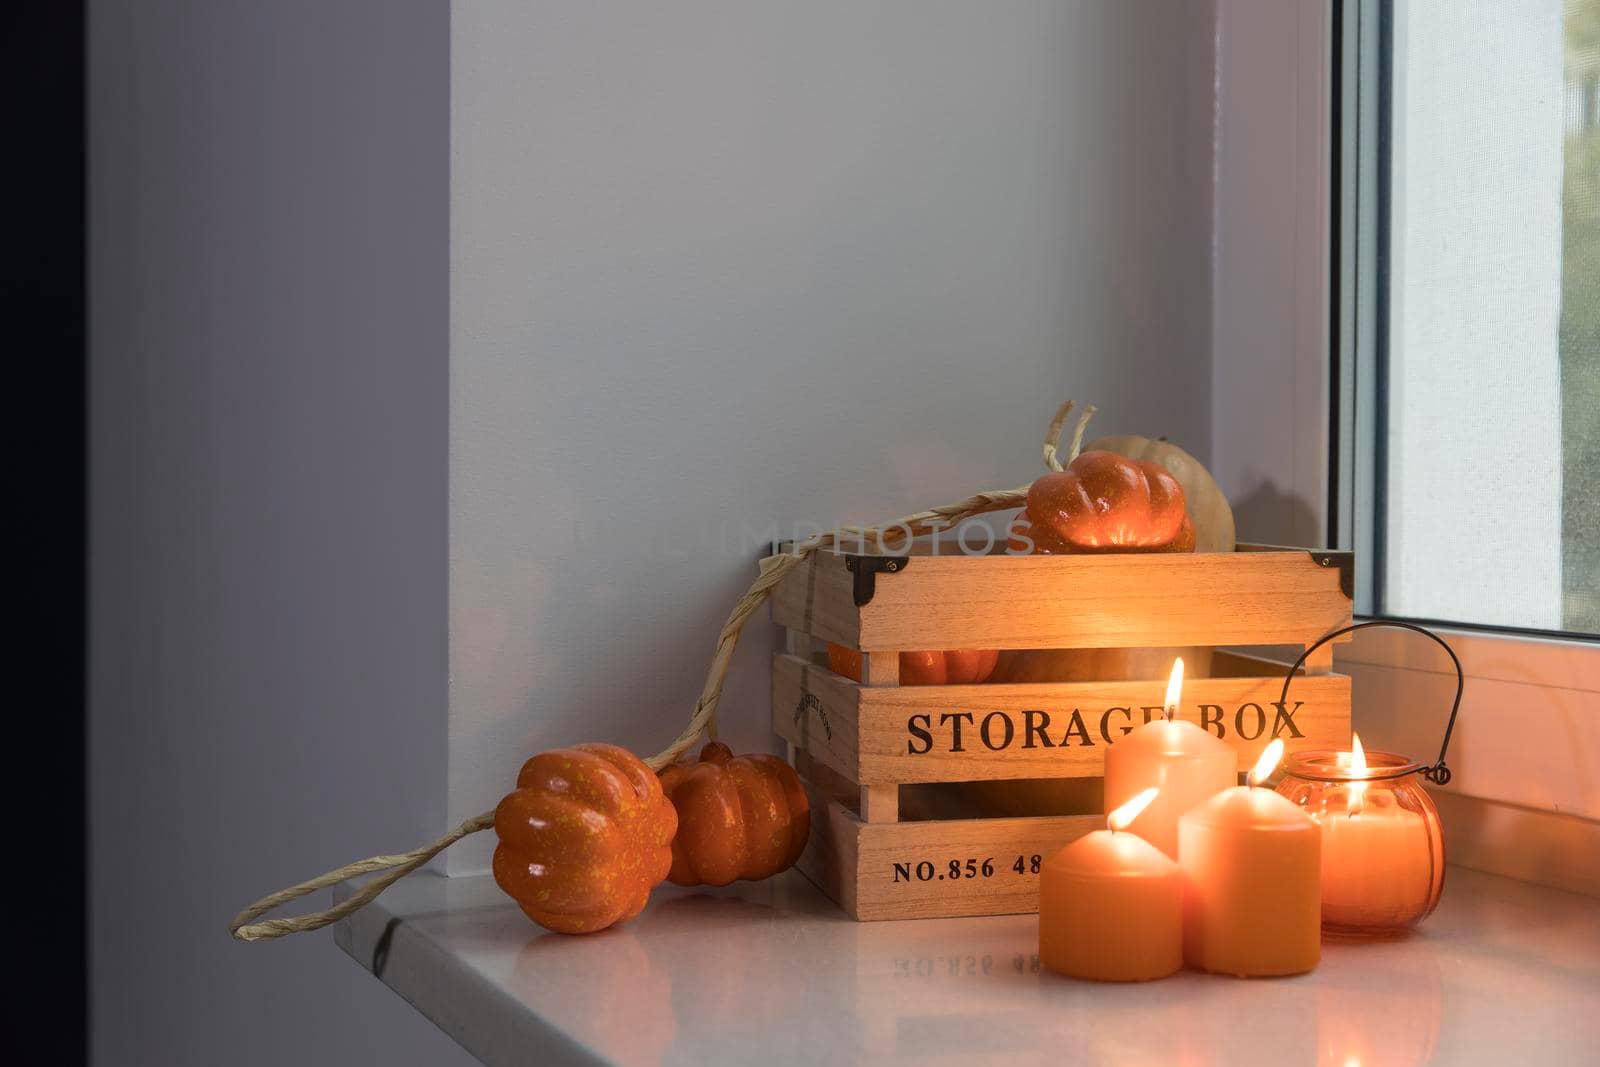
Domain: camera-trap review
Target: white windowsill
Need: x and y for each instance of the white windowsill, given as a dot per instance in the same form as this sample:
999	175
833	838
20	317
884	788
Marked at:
772	972
1528	733
1536	660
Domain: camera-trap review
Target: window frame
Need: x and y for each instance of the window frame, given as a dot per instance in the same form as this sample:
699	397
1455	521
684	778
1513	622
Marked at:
1530	716
1361	135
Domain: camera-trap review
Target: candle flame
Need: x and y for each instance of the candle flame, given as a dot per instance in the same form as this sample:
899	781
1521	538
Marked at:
1267	763
1121	817
1358	766
1174	688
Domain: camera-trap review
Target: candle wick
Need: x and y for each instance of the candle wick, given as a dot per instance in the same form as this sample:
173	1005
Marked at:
1172	709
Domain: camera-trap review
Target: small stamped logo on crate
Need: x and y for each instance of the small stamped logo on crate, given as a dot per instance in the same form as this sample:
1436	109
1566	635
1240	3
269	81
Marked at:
807	703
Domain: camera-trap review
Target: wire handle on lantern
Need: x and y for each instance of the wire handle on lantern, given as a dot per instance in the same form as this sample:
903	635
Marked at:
1439	773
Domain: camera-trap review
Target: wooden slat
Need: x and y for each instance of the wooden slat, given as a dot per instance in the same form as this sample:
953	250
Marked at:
1103	601
893	870
829	859
797	643
865	733
815	710
1110	601
816	599
800	646
880	668
908	733
880	803
1321	660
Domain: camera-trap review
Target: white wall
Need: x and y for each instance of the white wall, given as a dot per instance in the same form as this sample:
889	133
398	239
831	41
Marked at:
268	382
705	268
1270	389
718	265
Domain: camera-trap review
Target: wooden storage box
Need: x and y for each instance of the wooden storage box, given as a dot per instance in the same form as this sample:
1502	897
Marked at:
932	801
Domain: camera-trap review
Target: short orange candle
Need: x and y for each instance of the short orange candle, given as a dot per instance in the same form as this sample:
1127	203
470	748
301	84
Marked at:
1187	764
1251	866
1111	905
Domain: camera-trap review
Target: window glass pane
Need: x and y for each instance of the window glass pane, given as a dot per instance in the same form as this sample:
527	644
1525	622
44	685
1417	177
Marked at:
1491	498
1580	316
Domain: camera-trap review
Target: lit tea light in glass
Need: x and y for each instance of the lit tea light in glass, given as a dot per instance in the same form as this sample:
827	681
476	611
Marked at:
1382	848
1358	771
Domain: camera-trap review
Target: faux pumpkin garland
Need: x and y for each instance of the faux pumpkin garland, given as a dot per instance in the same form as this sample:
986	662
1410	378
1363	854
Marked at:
739	816
588	832
584	837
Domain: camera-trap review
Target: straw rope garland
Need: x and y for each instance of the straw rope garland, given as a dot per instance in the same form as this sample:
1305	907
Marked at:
702	722
1052	436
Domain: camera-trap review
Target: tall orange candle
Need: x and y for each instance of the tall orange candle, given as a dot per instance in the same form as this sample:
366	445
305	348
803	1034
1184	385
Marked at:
1111	905
1251	871
1187	764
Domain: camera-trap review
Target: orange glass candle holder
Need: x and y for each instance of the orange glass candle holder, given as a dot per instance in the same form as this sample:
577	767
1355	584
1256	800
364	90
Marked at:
1382	844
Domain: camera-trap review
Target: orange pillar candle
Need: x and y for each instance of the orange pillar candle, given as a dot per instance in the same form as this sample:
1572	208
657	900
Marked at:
1184	762
1111	905
1251	866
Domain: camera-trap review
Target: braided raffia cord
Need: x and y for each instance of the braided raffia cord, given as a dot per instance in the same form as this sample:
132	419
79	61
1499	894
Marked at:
394	867
775	568
1052	436
702	721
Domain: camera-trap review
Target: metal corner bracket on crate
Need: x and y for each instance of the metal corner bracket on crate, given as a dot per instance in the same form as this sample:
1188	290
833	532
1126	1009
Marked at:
932	801
1346	562
866	570
1343	559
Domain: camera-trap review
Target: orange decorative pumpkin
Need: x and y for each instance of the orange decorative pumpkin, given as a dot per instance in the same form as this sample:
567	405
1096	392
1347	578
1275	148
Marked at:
960	666
738	816
1202	499
584	837
1103	502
